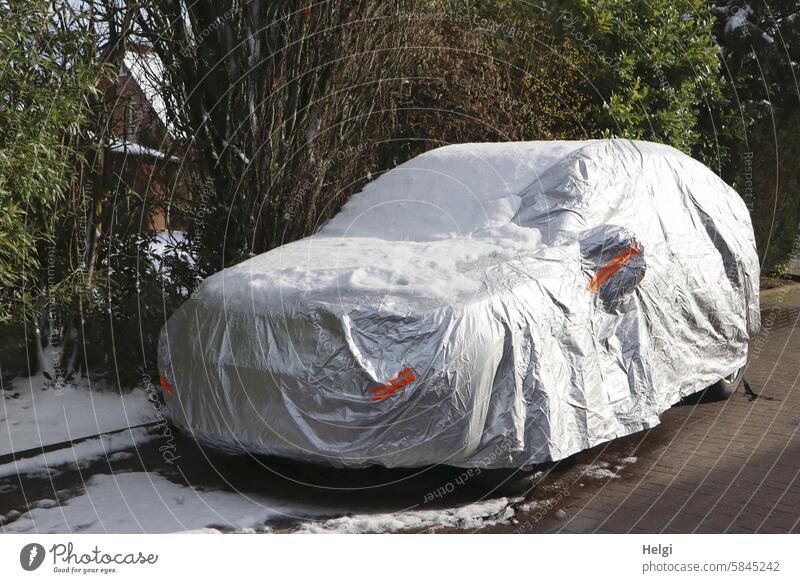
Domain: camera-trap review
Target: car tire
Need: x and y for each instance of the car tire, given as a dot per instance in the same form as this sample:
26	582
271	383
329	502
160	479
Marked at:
727	386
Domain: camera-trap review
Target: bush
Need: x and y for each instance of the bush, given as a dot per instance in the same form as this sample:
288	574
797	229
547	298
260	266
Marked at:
760	49
471	79
652	69
46	74
769	179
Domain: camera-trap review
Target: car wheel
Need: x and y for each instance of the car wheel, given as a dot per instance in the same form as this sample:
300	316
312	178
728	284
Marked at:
727	386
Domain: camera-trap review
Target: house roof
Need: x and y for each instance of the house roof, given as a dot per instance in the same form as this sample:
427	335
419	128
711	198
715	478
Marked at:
134	149
147	70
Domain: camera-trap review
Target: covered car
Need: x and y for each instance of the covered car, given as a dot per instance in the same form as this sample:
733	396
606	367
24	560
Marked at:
482	305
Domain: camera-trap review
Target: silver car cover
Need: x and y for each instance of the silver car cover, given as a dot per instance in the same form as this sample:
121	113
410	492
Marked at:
484	305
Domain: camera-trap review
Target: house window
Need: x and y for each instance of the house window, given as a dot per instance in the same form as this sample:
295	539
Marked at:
131	122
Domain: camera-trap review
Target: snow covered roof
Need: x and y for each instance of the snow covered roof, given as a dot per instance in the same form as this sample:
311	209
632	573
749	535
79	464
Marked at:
134	149
148	71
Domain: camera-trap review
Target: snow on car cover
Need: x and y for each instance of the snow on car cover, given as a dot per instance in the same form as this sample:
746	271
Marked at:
486	305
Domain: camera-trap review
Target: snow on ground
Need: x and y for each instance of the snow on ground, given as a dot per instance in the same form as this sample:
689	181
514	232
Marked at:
600	474
598	471
82	454
471	516
32	416
148	502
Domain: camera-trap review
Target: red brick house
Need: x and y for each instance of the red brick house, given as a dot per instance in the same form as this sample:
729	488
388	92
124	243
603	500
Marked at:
141	152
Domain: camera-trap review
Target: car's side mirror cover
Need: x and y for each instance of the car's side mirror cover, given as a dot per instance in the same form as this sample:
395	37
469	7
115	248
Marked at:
613	260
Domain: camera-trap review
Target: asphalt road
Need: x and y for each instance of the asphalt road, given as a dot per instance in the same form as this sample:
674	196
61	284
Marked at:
727	466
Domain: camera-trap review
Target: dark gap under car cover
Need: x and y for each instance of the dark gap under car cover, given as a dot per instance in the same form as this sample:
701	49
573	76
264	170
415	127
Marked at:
482	305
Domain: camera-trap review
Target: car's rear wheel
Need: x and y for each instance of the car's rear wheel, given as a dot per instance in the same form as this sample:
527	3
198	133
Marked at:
727	386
